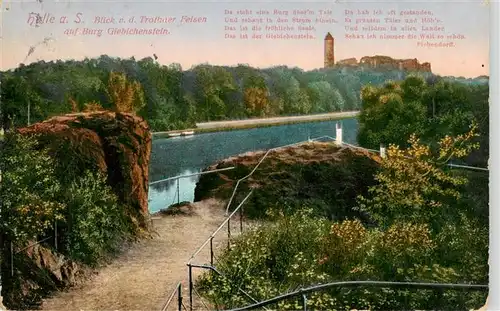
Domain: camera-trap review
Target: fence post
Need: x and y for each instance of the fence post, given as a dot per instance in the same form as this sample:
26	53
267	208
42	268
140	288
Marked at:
212	251
382	151
241	219
179	297
338	137
190	268
55	233
229	233
304	302
11	259
178	193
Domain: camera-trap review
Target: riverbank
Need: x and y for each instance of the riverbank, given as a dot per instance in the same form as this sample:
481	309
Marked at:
220	126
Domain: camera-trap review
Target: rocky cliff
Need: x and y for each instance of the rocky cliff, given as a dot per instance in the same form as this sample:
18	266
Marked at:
116	144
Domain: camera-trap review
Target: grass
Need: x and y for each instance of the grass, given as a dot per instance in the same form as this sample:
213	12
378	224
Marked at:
247	126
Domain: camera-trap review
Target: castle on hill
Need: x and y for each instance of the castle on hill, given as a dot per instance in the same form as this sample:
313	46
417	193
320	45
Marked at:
372	62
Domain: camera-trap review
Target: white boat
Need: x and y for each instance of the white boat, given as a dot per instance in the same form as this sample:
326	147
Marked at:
174	134
188	133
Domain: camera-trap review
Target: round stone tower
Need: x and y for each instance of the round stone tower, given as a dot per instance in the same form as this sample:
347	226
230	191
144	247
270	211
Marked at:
329	54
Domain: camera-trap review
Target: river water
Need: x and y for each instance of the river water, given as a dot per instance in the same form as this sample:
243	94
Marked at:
188	155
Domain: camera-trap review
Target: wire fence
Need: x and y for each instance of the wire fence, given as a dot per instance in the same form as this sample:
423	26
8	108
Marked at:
177	178
14	251
234	223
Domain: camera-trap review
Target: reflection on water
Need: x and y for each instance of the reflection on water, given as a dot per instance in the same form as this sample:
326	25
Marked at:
189	155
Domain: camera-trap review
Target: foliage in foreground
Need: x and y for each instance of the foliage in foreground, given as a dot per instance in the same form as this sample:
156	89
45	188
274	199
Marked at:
415	185
89	220
428	231
300	251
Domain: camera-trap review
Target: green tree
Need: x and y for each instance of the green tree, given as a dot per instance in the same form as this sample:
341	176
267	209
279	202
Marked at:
324	98
126	96
414	184
29	189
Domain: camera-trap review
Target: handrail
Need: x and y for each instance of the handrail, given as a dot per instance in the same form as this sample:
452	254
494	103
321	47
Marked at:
469	167
448	164
191	175
218	229
360	283
261	160
212	268
165	306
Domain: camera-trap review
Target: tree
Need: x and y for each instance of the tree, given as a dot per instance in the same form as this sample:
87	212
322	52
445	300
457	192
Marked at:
324	98
125	95
256	101
390	114
214	85
414	184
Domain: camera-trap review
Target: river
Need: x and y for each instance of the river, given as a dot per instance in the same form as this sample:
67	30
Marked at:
188	155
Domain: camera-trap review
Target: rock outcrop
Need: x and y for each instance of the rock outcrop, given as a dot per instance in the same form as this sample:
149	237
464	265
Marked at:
316	174
43	271
117	144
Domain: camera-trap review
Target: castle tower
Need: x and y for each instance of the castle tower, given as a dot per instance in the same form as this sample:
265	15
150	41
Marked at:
329	54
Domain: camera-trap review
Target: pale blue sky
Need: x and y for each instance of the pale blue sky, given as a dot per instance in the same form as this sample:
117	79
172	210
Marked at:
194	44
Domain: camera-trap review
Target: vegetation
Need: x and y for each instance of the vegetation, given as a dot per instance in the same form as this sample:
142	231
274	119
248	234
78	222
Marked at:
429	108
88	217
41	200
321	176
426	221
170	98
411	219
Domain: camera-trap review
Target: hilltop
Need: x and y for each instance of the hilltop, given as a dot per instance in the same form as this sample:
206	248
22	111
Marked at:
381	62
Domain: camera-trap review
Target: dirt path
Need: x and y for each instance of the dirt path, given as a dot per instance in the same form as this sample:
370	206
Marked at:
144	276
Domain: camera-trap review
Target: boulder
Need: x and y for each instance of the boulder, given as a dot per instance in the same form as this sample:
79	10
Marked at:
118	144
44	270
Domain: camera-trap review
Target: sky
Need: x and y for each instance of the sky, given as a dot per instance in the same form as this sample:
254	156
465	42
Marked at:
190	44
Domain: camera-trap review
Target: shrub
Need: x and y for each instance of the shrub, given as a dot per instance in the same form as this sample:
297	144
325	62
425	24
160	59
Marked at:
414	185
97	223
299	251
29	190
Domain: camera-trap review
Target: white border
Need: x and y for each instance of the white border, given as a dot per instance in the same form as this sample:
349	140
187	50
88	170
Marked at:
494	300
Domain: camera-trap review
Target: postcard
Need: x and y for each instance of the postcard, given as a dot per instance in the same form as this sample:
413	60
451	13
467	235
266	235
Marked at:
237	155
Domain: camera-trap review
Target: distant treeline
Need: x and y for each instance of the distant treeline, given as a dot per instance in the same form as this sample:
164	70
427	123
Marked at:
173	98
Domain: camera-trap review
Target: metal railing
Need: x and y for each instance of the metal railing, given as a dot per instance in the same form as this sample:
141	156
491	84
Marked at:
180	303
303	291
239	209
186	176
210	240
262	159
227	221
474	168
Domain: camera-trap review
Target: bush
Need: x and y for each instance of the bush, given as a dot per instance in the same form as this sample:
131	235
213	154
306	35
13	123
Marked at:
266	260
29	191
90	222
98	223
299	251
